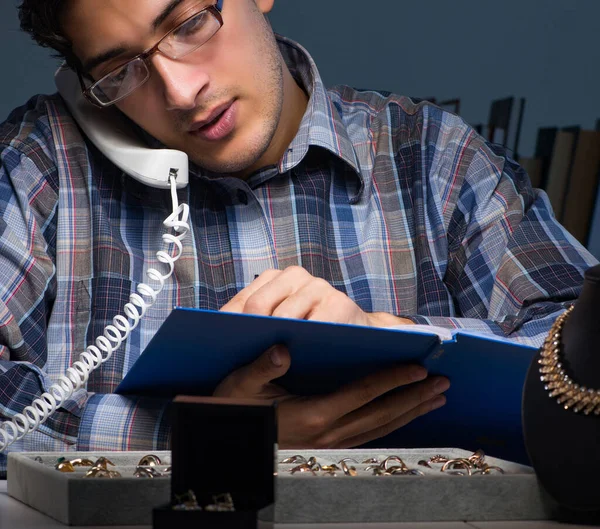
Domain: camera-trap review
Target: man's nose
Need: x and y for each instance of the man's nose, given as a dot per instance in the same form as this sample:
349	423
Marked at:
181	82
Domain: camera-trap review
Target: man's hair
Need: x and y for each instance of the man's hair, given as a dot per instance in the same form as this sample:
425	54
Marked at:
41	19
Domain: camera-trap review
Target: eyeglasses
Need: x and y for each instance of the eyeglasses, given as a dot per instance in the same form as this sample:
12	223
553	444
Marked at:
186	37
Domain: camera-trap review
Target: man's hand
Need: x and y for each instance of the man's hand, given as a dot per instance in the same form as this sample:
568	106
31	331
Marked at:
355	414
294	293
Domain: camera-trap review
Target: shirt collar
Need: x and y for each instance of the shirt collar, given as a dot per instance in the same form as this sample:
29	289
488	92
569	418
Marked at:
322	124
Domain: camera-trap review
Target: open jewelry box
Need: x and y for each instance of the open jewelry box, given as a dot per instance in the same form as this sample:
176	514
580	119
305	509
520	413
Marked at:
226	472
301	497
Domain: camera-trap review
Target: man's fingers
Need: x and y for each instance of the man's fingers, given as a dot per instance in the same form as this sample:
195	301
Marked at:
268	290
238	302
249	381
399	422
357	394
285	286
300	302
388	409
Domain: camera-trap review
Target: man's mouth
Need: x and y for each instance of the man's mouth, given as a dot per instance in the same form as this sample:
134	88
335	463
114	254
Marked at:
217	124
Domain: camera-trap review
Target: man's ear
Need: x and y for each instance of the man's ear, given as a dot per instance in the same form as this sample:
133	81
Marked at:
265	5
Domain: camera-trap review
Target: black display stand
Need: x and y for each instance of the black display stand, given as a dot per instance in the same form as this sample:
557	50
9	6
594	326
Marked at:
564	446
220	446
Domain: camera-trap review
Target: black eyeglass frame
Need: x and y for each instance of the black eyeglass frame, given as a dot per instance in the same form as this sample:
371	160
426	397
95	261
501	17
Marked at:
87	91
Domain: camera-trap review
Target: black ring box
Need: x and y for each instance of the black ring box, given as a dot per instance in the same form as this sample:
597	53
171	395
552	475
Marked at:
221	446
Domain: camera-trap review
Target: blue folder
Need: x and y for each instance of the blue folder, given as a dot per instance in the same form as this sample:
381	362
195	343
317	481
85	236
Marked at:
195	349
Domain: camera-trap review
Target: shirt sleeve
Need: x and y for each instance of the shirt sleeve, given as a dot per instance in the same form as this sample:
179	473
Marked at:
512	268
28	231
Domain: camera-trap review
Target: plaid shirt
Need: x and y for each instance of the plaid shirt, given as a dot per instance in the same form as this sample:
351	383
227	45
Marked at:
397	203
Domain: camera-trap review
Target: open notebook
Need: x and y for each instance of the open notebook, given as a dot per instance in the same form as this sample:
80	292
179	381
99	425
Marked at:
195	349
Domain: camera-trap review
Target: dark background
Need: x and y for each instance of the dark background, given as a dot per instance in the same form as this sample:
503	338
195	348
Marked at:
544	50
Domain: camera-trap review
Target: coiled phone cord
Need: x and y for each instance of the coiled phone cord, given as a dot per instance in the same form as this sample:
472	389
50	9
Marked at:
106	344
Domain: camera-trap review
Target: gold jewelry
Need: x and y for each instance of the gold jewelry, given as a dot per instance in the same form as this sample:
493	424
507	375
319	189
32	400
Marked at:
64	465
349	471
457	464
187	502
438	459
488	469
103	462
558	383
149	461
101	472
314	464
371	460
146	472
82	462
397	459
478	458
294	460
221	503
303	467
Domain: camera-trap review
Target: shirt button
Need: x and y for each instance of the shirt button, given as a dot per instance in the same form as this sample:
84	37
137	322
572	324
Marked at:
242	197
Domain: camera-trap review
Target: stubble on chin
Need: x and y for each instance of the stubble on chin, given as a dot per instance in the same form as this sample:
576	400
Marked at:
266	120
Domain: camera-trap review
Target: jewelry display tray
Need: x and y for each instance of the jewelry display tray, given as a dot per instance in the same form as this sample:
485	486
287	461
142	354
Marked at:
300	497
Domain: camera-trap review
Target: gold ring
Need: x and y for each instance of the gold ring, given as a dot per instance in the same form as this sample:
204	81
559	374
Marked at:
487	469
101	472
312	462
477	459
146	472
396	469
385	462
82	462
294	459
349	471
187	502
304	467
64	465
371	460
455	464
438	459
149	461
222	503
103	462
348	459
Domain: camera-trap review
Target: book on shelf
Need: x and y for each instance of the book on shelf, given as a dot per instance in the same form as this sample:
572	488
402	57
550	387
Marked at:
583	185
543	151
560	168
533	167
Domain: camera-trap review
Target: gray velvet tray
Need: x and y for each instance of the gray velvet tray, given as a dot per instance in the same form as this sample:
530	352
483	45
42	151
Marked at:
74	500
300	497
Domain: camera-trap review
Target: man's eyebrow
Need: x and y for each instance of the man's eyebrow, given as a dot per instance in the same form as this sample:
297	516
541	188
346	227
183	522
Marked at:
165	14
90	64
97	60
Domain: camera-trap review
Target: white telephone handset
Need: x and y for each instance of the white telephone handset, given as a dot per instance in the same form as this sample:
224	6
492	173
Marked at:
161	168
109	131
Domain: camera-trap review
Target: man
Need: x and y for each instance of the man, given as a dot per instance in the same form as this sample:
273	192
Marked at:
350	206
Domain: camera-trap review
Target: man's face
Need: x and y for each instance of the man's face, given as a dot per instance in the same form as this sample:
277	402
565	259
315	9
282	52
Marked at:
237	75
